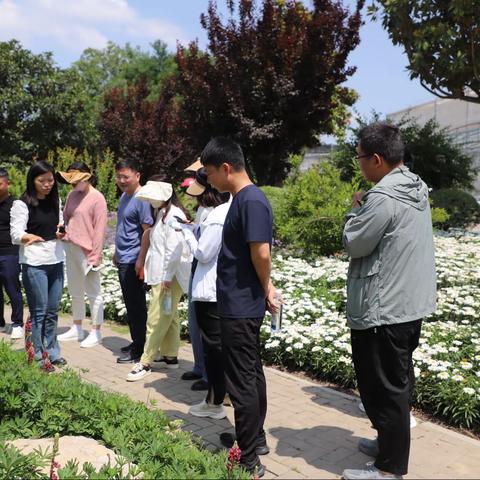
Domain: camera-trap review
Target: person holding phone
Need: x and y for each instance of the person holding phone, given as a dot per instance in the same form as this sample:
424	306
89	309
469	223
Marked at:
166	270
34	223
85	215
204	293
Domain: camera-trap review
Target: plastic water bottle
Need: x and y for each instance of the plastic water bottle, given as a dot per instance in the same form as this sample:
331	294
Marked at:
167	302
276	322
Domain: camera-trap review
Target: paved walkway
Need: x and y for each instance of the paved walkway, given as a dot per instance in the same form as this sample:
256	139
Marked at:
312	430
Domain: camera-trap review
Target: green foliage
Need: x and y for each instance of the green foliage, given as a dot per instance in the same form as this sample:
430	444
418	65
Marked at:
18	180
312	210
42	107
439	216
16	465
33	405
116	66
441	40
461	207
439	162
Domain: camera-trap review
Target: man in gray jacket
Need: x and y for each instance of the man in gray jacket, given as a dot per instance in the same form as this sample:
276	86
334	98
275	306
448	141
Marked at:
391	286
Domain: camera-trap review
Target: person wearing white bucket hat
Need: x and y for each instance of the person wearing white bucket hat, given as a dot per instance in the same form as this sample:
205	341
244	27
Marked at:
166	270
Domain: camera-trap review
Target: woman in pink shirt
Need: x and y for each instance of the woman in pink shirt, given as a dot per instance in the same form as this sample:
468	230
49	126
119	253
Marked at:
85	216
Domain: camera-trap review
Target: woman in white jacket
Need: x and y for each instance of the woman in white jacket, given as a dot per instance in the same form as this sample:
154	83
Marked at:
166	270
204	293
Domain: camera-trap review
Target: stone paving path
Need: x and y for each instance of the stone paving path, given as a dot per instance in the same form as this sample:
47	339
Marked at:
312	430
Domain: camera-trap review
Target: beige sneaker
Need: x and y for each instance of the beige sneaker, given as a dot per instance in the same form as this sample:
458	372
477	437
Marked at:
204	409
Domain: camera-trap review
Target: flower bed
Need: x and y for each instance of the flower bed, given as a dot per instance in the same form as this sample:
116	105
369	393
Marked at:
315	338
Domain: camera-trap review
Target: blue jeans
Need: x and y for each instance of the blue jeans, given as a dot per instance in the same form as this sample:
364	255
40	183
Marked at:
43	286
195	337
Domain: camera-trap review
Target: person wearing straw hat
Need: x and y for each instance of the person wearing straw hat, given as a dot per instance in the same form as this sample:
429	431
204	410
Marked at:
167	269
85	217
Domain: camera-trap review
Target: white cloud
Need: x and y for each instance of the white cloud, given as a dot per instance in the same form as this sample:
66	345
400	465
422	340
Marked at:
79	24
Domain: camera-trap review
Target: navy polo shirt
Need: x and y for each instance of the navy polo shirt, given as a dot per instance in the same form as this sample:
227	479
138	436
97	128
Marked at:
250	219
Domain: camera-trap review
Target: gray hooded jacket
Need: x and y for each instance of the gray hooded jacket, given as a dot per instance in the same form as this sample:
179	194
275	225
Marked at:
391	277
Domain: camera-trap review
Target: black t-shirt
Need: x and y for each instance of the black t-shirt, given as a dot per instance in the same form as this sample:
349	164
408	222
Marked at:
43	219
250	219
6	247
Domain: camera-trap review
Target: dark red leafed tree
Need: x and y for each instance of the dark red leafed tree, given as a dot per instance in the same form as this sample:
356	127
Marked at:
271	79
145	131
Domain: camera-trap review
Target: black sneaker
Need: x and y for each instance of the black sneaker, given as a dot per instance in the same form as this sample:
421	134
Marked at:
191	376
257	471
59	362
127	348
166	362
199	386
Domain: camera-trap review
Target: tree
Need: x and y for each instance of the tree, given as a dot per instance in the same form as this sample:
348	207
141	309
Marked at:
442	41
134	127
430	152
116	66
41	106
271	79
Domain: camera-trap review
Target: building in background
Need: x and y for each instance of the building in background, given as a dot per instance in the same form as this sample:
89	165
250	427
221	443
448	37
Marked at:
461	119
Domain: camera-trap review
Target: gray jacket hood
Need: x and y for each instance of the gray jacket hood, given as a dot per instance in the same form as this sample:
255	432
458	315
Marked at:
404	186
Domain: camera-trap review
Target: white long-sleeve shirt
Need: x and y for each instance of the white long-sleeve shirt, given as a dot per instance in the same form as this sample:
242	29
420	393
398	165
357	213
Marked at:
206	250
39	253
168	255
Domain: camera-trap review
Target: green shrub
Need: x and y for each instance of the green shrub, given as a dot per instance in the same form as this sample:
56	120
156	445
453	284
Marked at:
461	207
34	404
313	207
16	465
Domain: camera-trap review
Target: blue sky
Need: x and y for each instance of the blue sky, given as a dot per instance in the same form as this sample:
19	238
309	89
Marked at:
67	27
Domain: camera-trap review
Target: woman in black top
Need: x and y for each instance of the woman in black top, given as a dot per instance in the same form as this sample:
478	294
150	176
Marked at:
34	226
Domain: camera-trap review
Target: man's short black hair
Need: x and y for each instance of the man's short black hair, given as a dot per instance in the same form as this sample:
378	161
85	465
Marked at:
126	163
384	139
4	174
223	150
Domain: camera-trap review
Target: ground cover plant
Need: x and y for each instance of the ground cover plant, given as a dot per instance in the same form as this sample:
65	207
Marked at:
35	405
315	338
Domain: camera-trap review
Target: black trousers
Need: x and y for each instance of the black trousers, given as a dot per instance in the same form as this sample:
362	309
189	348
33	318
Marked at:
136	304
245	382
210	331
382	358
10	281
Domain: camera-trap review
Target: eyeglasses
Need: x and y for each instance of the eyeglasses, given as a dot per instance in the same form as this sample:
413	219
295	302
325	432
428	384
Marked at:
364	155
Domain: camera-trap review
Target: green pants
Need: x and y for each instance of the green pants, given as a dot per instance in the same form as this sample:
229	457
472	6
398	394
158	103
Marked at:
163	330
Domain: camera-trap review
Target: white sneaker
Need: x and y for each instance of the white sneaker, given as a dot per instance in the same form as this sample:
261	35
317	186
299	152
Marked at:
361	407
92	340
71	335
138	372
204	409
17	333
370	472
413	422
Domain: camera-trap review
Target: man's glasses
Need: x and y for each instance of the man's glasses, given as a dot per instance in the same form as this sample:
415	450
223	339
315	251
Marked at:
364	155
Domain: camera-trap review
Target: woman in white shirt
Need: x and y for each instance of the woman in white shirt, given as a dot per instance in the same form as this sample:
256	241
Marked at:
35	219
166	270
204	293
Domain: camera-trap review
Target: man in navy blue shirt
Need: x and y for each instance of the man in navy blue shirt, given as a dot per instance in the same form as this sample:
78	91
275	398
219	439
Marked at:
244	291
